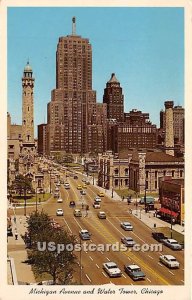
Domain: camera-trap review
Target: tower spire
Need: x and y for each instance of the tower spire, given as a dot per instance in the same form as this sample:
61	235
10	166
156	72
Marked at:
73	26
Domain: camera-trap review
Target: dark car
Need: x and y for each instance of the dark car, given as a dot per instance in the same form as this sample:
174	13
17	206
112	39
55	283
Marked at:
75	177
134	272
9	231
159	236
72	203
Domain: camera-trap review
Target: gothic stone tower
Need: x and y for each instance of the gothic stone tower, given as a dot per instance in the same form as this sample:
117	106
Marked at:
27	164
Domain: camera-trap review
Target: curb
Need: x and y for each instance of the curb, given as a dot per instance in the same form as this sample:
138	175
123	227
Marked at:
13	270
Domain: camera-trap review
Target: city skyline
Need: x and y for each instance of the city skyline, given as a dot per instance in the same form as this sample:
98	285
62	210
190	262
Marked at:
148	77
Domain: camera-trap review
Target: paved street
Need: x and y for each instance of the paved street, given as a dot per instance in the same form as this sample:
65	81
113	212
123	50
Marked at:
106	231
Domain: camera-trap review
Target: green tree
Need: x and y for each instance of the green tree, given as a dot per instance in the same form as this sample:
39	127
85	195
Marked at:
21	184
49	260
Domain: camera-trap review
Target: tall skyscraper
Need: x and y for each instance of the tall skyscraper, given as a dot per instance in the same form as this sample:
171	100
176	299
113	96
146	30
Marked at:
114	99
69	111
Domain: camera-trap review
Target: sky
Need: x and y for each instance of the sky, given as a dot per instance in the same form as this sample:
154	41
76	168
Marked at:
143	46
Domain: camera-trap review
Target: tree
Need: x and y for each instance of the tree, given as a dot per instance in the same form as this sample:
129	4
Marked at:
49	260
21	184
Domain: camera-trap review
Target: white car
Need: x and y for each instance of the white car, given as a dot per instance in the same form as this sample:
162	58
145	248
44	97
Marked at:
96	205
101	215
60	200
173	244
97	199
112	269
126	226
169	261
59	212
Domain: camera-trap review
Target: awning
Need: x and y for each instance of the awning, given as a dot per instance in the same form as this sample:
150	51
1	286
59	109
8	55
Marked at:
168	212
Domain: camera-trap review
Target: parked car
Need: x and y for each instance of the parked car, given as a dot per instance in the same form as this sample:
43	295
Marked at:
128	241
112	269
84	234
126	226
9	231
169	261
59	212
101	215
96	205
77	213
159	236
59	200
134	272
173	244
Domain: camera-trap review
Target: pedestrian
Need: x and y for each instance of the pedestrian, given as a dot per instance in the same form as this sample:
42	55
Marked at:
14	219
16	235
20	220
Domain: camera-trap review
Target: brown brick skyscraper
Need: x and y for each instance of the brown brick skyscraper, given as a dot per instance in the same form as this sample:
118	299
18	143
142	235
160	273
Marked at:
73	98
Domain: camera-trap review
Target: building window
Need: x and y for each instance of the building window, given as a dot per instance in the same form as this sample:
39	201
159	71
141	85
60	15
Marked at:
173	173
147	174
156	184
181	173
116	182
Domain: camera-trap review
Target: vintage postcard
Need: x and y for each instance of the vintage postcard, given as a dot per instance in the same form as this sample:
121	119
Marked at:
95	152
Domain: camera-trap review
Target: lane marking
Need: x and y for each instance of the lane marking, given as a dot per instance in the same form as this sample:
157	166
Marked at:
148	279
107	258
67	225
78	223
97	266
88	278
104	274
160	264
150	256
101	252
91	258
124	276
171	272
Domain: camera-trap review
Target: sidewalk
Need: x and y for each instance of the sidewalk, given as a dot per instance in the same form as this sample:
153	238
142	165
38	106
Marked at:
150	220
17	251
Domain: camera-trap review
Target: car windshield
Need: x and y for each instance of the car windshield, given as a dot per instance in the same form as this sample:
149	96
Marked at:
137	270
112	267
173	259
174	243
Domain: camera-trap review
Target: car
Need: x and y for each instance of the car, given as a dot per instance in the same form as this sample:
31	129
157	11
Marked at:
172	244
56	195
97	199
72	203
134	271
59	212
84	234
62	181
169	261
83	192
75	177
126	226
79	187
112	269
9	231
58	184
84	186
96	205
101	215
66	185
56	189
101	194
77	213
159	236
84	180
59	200
87	182
128	241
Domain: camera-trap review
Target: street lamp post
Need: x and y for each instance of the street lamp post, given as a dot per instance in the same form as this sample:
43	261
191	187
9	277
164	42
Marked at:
25	198
50	180
36	198
145	200
112	188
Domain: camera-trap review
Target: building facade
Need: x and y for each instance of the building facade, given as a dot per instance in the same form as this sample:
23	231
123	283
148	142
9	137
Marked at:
138	169
114	99
42	139
73	100
171	196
